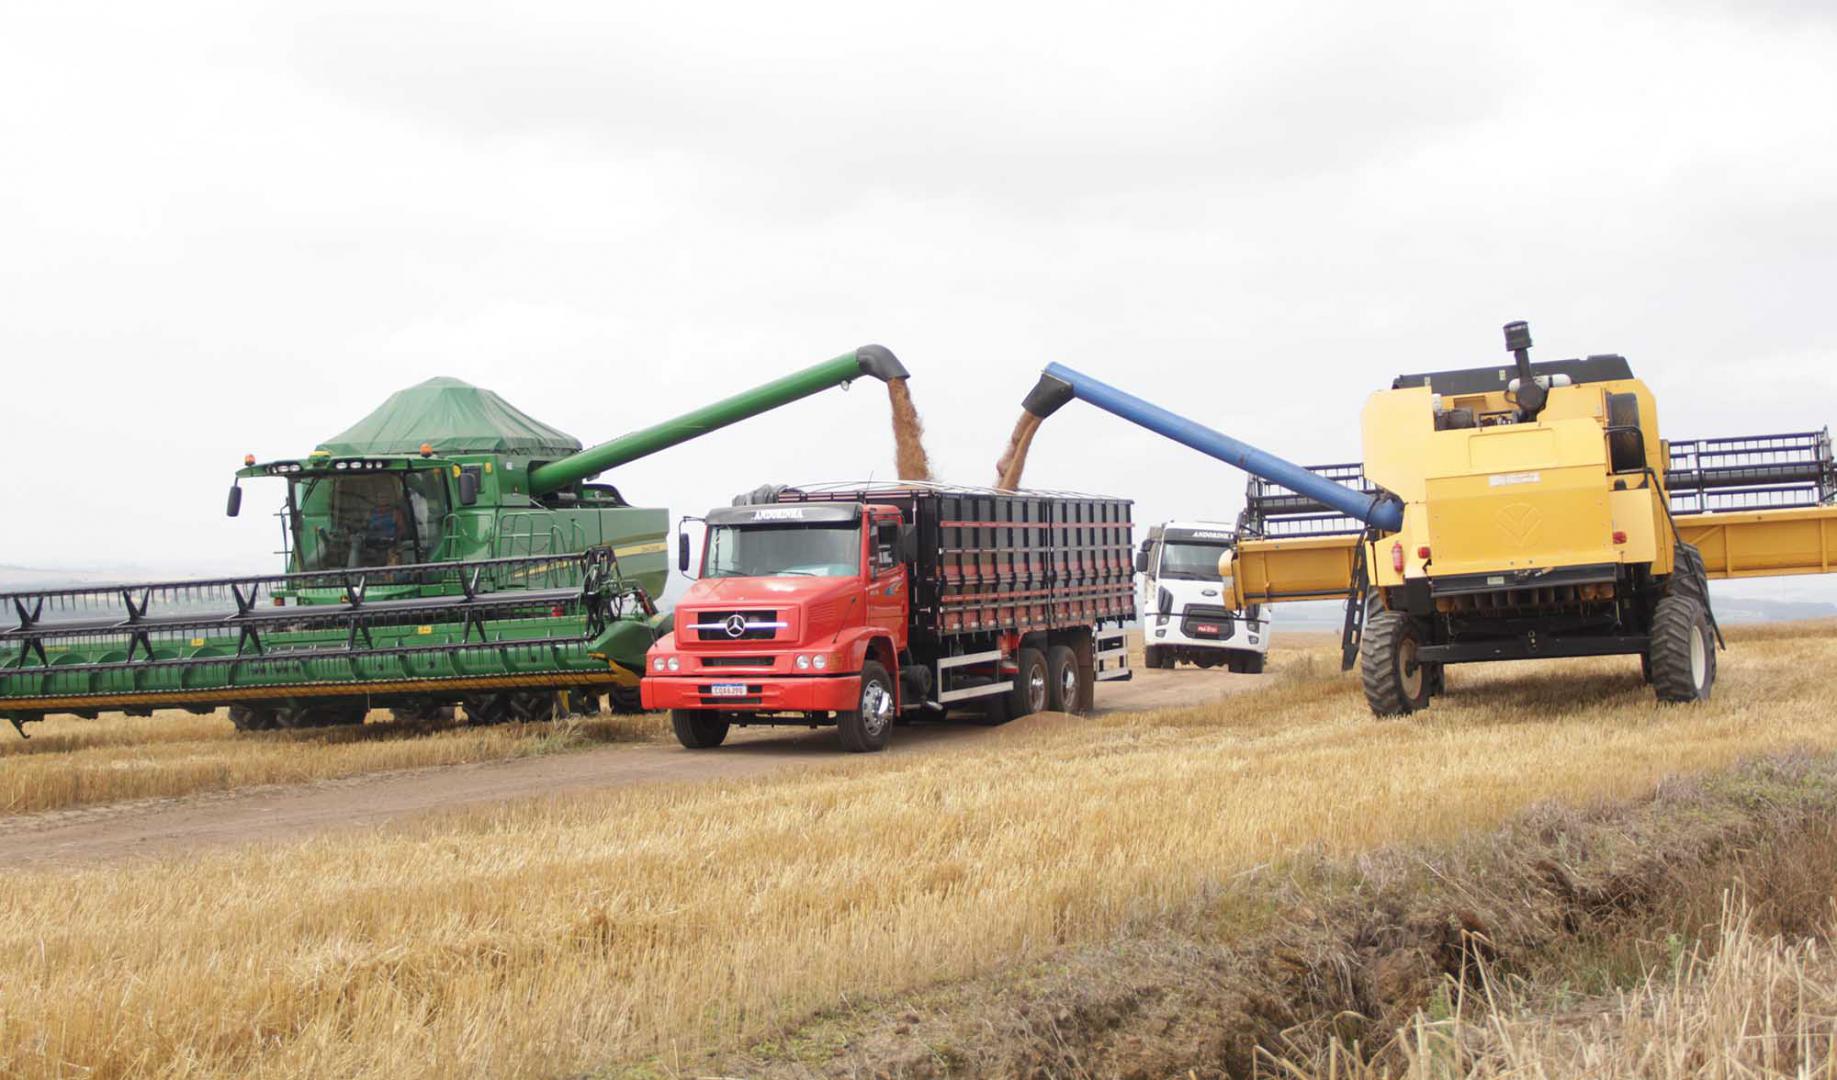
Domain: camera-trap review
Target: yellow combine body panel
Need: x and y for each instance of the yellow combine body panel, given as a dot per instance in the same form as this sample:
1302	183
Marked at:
1764	543
1740	544
1511	496
1297	568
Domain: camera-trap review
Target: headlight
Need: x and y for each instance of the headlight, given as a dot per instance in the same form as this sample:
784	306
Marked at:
803	663
674	664
657	663
821	662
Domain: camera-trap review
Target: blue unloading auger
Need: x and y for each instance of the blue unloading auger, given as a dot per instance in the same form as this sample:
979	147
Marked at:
1059	384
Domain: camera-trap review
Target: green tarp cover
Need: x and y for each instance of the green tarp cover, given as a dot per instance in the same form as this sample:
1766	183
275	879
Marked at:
456	417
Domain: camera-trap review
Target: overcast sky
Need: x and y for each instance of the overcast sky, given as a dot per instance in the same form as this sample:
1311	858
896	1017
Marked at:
235	227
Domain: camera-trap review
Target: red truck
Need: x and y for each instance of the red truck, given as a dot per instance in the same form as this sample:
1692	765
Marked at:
864	606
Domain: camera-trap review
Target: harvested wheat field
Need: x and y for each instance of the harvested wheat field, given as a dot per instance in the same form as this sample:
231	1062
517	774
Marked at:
654	927
73	762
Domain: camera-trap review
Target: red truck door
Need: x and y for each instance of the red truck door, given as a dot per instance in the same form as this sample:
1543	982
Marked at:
887	585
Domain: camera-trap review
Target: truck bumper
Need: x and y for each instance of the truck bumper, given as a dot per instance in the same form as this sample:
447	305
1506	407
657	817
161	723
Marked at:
822	693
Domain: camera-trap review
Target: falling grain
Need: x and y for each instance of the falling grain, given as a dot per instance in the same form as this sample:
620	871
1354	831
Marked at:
908	433
1014	460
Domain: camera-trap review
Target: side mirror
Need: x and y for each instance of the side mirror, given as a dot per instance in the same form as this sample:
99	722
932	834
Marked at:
235	506
1141	562
682	552
468	488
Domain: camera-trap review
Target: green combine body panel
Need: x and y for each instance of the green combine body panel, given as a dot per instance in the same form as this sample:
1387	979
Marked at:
446	549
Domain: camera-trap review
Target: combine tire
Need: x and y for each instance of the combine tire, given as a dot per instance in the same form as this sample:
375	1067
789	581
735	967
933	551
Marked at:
1031	683
253	718
484	709
626	700
1064	687
1395	683
699	729
864	728
1682	652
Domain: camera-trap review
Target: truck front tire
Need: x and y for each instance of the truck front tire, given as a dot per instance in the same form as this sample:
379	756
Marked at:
1681	655
699	729
864	729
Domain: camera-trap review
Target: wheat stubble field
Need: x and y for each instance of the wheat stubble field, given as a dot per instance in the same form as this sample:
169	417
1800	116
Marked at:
650	927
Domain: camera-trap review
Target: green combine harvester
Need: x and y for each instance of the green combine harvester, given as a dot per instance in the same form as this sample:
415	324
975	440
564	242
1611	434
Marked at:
446	550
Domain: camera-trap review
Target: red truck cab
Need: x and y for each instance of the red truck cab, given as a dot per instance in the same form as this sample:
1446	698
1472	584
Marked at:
798	609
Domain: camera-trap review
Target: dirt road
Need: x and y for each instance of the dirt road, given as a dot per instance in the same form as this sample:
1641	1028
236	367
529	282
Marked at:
171	826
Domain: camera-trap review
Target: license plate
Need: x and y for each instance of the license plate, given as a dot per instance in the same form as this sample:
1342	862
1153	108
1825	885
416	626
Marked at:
1206	628
728	689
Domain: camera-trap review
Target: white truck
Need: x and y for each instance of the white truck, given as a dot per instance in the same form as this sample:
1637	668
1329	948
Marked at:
1184	616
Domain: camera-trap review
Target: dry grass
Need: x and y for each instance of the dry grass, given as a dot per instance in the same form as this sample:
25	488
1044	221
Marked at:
71	762
1741	1005
649	924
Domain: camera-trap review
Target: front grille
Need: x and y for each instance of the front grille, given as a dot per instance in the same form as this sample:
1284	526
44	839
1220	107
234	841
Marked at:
1207	622
753	625
738	661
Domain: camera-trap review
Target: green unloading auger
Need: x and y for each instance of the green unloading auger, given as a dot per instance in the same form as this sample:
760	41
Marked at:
871	360
523	582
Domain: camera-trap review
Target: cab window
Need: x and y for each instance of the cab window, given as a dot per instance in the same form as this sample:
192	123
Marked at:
886	546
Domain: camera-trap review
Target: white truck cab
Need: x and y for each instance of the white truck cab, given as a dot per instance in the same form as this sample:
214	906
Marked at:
1184	616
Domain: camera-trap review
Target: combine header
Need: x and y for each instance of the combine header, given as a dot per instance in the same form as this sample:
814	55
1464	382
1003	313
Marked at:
1514	512
447	550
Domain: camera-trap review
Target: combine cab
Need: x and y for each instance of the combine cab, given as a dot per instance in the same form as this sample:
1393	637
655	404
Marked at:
446	550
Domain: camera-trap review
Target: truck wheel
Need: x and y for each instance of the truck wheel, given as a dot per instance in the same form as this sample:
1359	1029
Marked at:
1682	652
1151	656
253	718
1395	683
1030	694
699	729
1064	688
864	728
626	700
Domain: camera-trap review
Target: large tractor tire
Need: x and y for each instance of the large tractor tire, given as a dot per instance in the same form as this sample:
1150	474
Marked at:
625	700
1031	685
1064	683
486	709
253	718
1396	683
699	729
1682	652
865	728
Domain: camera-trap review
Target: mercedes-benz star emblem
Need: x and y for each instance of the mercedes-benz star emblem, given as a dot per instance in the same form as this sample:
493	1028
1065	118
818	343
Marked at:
736	625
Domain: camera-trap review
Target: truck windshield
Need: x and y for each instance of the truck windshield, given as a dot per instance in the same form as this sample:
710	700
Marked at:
1191	562
378	519
771	550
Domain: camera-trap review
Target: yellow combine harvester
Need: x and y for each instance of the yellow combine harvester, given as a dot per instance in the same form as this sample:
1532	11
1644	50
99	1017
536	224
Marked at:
1515	512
